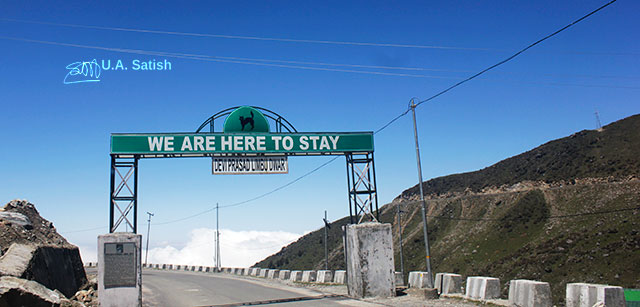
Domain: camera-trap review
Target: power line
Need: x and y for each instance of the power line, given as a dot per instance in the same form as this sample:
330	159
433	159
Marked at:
83	230
291	40
254	198
496	65
265	62
517	53
258	38
220	59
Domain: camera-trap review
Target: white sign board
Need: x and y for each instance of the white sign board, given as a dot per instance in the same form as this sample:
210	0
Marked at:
250	165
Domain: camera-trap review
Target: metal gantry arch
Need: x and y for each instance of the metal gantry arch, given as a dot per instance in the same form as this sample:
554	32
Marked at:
123	194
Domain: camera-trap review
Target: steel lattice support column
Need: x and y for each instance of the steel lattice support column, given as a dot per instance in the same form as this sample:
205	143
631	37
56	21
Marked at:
361	182
123	194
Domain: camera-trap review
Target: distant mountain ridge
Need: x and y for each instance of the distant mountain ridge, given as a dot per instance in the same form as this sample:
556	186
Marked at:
566	215
613	151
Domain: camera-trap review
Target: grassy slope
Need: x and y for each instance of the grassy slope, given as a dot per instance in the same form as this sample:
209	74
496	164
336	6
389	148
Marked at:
515	234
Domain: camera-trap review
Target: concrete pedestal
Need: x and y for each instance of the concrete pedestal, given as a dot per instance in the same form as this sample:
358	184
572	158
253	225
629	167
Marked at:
120	269
370	265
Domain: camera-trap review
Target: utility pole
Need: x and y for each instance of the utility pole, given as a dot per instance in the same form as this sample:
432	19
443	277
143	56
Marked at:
400	240
424	209
217	255
326	255
327	225
148	231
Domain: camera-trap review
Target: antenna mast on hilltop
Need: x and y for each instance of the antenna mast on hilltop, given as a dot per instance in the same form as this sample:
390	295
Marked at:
598	125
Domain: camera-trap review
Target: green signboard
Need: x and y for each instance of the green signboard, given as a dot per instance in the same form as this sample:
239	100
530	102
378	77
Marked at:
246	119
242	143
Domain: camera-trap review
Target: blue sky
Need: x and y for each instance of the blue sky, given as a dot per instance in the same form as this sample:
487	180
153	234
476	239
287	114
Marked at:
55	149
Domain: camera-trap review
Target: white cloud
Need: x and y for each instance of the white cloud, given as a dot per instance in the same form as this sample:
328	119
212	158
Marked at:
88	253
237	248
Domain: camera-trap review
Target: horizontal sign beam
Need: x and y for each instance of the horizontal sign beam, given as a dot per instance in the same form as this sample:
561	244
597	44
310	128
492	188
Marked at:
239	143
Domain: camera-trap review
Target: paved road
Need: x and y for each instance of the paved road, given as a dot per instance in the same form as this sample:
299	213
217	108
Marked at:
179	288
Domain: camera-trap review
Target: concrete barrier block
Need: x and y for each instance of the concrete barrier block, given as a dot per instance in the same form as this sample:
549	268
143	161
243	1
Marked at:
340	277
418	280
255	271
264	273
529	293
437	282
284	274
582	295
423	293
483	288
324	276
451	283
308	276
273	274
399	279
295	276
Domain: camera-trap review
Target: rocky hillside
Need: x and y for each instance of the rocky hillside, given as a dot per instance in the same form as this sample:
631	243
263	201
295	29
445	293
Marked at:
37	265
566	211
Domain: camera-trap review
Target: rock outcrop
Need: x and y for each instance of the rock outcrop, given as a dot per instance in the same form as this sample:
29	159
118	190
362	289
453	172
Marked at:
21	292
31	249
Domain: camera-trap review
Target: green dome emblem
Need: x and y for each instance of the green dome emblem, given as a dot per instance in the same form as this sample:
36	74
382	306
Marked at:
246	119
